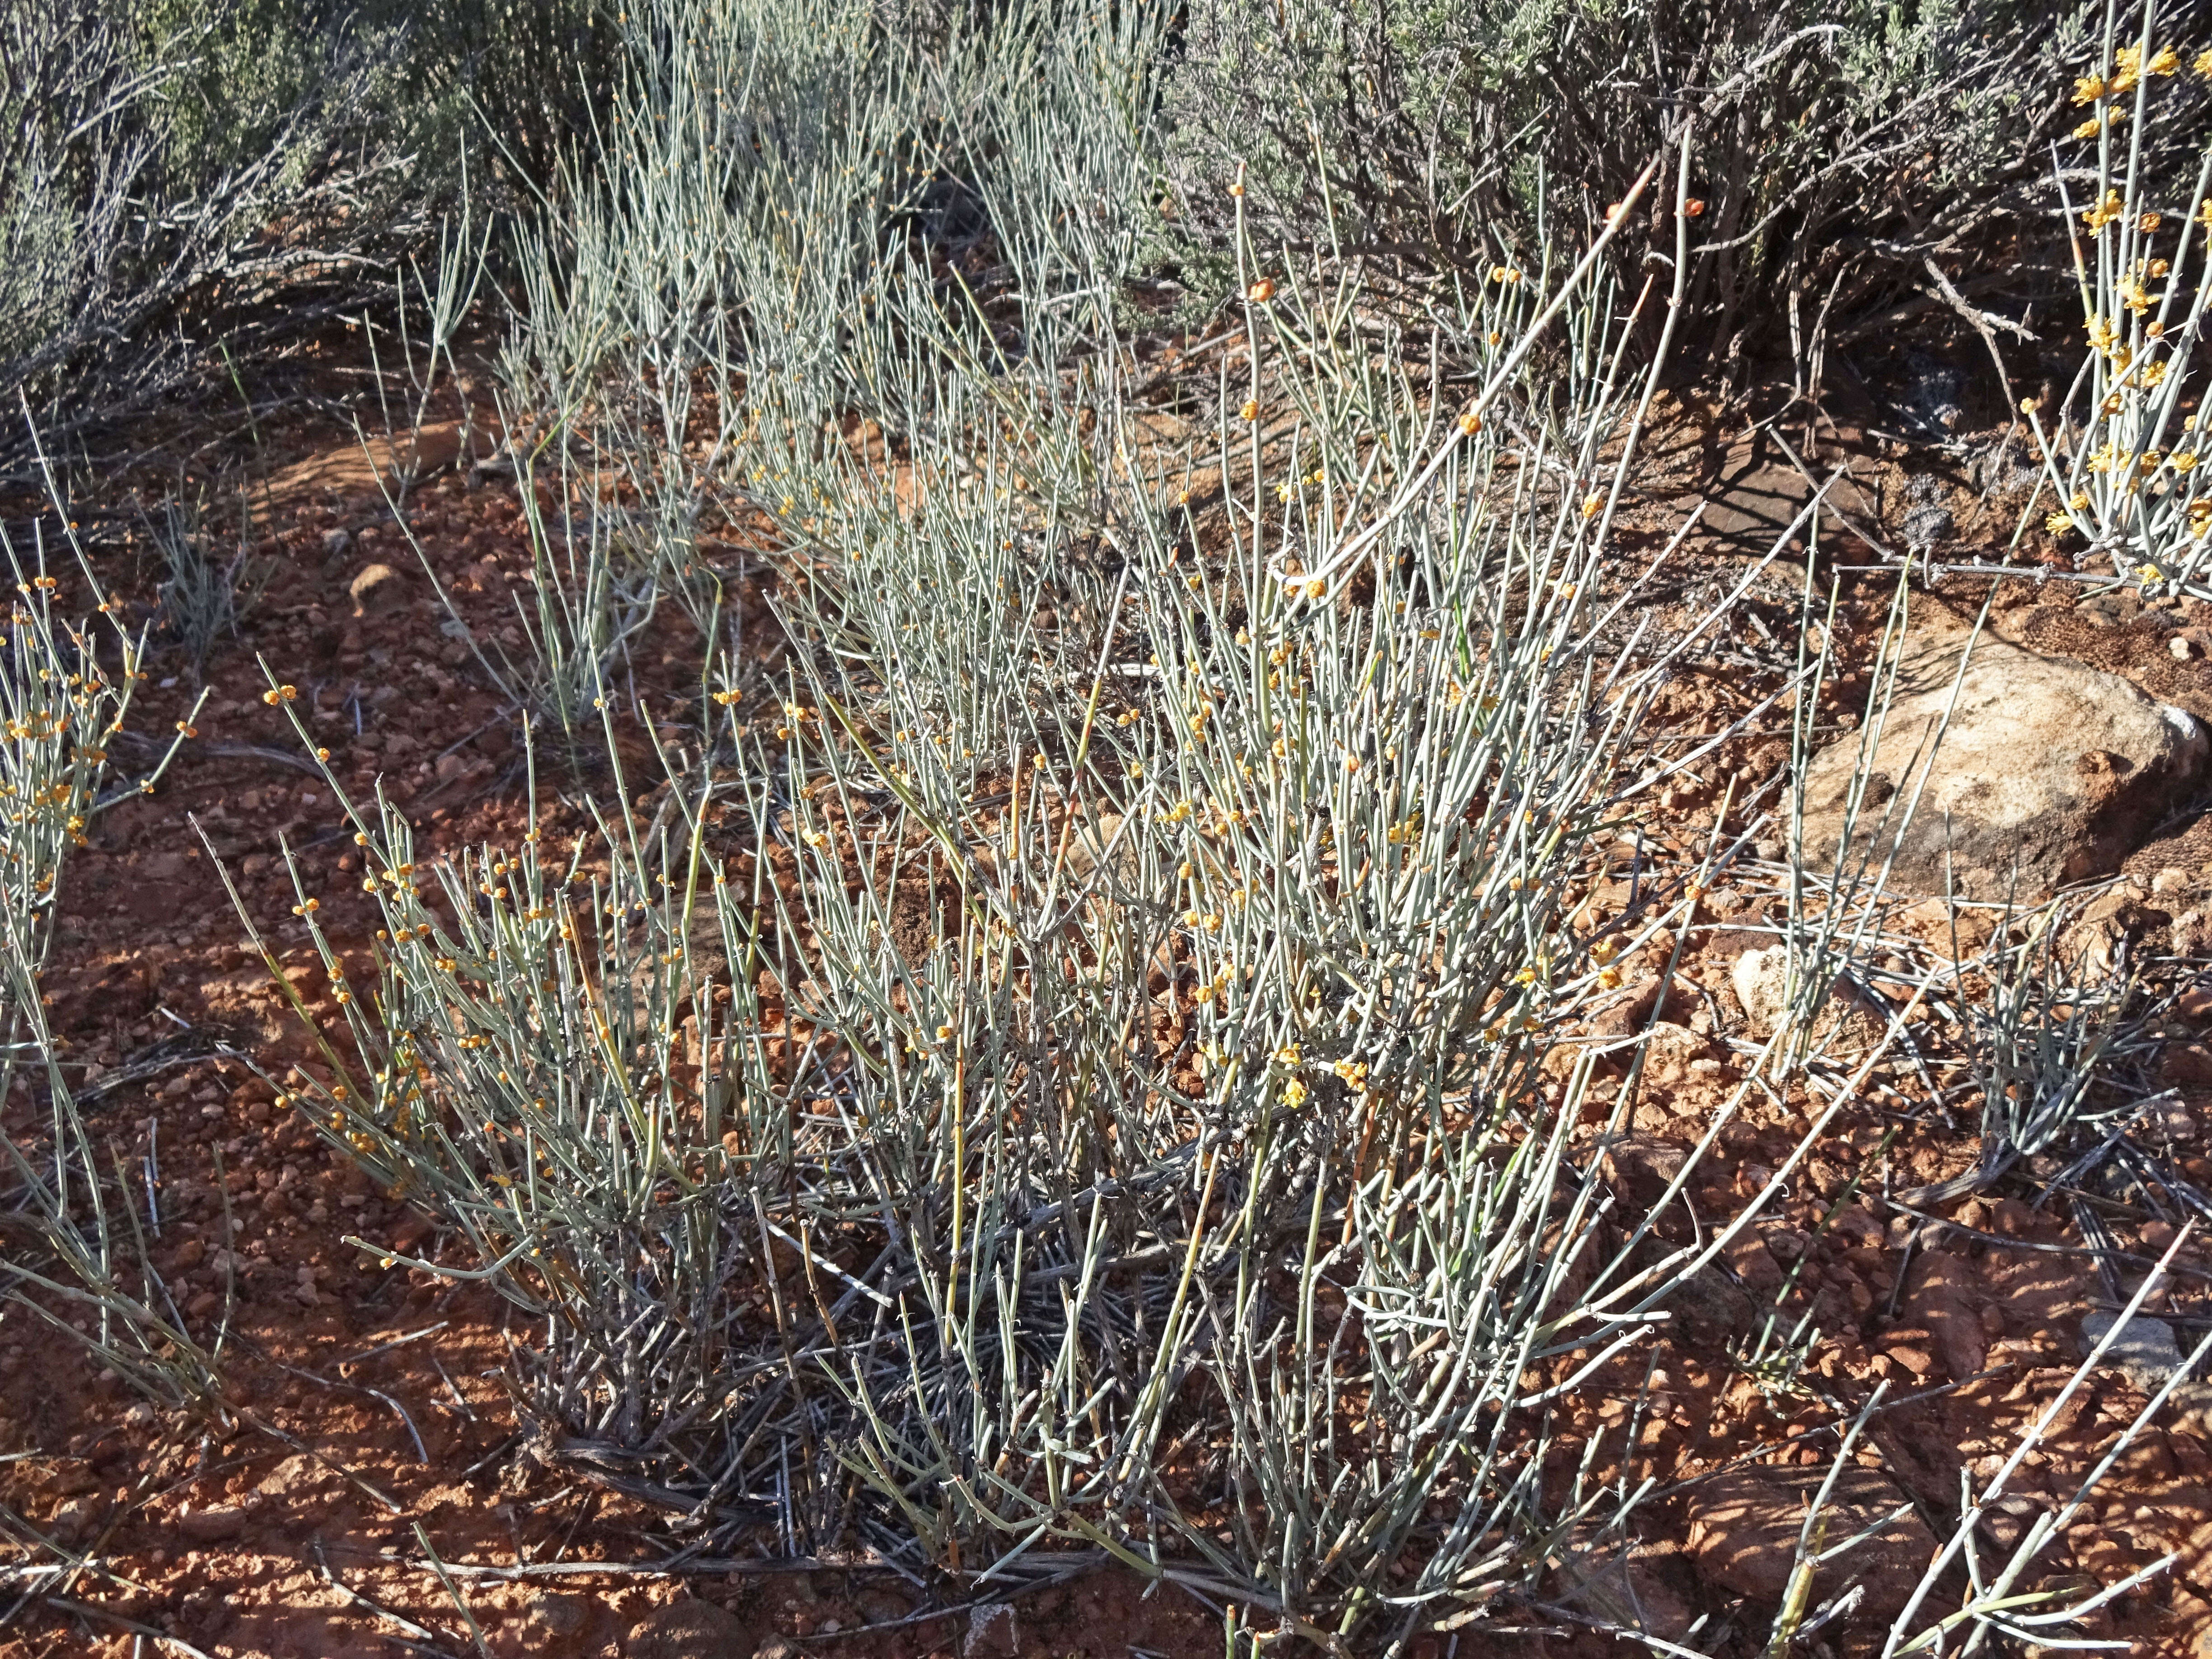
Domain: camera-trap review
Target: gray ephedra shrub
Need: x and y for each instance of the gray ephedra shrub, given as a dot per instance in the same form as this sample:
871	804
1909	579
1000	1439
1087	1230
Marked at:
75	1236
1136	1143
1081	1088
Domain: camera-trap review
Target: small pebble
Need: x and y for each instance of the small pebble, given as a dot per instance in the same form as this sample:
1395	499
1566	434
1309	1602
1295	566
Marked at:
2144	1350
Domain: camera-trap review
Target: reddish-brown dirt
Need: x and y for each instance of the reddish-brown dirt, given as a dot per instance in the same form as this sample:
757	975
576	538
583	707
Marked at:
386	1439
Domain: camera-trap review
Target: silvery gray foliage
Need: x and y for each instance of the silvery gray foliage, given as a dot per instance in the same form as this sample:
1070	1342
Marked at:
1091	1086
1090	1082
1012	1252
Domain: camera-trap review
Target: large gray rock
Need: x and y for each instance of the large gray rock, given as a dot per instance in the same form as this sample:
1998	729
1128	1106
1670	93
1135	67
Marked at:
2049	768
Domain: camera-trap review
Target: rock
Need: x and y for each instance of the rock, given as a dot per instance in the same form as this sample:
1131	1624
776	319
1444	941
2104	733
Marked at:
689	1629
2186	1065
1760	979
992	1632
1642	1166
377	590
74	1518
2048	768
212	1526
2144	1351
1744	1528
